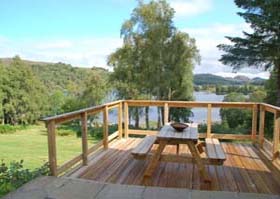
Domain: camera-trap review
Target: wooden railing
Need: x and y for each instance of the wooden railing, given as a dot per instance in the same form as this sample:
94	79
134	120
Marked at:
82	115
123	126
274	146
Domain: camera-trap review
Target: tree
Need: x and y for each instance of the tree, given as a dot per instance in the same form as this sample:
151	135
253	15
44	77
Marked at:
92	93
257	96
24	95
56	101
260	49
271	88
96	89
2	77
156	60
235	117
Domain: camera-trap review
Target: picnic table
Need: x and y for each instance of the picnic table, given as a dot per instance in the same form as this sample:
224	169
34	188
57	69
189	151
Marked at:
169	136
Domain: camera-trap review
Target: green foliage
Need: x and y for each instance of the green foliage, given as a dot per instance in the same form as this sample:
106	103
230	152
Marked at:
180	114
95	132
257	96
244	89
30	90
24	95
56	101
223	128
96	89
14	175
8	129
236	117
236	120
271	89
60	76
64	132
261	48
271	98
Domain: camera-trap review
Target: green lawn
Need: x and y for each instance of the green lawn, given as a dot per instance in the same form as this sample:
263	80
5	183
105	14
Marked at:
31	146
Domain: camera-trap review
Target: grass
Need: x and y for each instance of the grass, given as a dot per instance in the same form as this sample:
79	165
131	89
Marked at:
31	146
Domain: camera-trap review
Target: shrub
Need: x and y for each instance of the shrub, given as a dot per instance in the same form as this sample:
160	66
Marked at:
223	128
7	129
66	130
97	132
63	132
14	175
94	132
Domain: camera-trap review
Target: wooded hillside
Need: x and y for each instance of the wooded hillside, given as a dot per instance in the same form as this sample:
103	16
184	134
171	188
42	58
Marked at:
210	79
30	90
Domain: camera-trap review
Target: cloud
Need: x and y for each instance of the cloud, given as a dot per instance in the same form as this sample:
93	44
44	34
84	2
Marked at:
86	52
54	45
185	8
207	39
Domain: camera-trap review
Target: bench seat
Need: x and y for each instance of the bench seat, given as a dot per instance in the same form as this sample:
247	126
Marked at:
144	147
214	150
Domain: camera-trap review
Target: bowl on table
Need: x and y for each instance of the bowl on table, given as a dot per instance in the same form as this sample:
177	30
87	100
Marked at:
179	126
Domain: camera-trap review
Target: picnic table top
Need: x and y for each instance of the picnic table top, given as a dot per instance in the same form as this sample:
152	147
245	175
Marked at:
168	132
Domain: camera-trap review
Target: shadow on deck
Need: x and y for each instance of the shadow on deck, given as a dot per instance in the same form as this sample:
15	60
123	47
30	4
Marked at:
245	169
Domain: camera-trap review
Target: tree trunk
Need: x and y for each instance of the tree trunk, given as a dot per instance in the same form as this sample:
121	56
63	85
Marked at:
137	118
147	117
162	115
158	122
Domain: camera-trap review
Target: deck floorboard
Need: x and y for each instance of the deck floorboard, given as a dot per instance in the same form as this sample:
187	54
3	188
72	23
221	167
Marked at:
243	170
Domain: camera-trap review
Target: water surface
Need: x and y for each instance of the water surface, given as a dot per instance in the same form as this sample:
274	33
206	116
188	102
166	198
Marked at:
199	114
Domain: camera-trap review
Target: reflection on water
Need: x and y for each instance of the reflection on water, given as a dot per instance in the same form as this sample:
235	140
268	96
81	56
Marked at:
199	114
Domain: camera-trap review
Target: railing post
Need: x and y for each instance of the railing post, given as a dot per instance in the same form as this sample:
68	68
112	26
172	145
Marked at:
126	116
209	120
254	122
84	138
105	127
261	126
166	113
52	147
120	119
276	133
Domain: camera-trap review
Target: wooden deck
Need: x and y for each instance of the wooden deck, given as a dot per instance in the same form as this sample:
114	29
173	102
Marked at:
245	169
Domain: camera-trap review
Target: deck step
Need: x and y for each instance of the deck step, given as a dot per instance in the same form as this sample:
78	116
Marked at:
143	148
214	150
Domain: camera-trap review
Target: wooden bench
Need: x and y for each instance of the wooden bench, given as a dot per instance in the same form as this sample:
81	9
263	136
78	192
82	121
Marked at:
214	151
144	147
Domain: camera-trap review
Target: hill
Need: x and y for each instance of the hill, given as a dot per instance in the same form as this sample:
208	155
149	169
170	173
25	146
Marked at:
65	76
59	76
8	61
210	79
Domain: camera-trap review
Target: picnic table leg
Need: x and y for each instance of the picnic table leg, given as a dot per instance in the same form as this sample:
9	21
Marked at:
154	162
200	165
177	149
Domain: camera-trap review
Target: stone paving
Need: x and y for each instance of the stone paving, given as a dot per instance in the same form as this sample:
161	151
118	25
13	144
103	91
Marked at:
69	188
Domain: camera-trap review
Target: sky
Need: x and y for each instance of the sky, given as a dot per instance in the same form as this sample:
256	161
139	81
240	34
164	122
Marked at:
84	32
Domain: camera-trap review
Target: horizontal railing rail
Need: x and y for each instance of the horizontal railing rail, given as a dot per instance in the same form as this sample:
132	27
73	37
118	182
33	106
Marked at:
76	114
193	104
256	135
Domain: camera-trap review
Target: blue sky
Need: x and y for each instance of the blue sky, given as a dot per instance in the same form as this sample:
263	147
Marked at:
85	32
